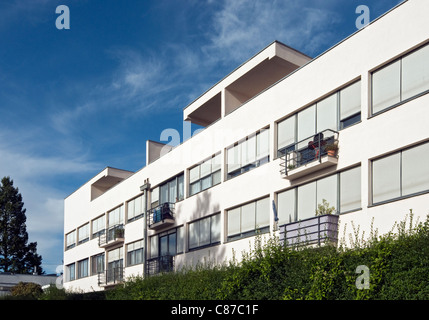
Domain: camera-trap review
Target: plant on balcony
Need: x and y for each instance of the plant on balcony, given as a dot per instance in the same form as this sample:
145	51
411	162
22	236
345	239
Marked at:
332	148
324	208
119	232
291	166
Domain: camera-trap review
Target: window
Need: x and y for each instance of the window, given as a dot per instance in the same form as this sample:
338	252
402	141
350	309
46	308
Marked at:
71	240
400	80
135	253
170	191
205	175
342	191
401	174
170	242
70	272
135	208
204	232
248	154
116	216
83	233
337	111
82	269
248	219
98	226
115	264
97	264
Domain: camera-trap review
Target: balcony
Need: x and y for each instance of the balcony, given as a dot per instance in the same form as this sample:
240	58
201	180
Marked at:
160	265
111	277
309	155
114	236
317	230
161	216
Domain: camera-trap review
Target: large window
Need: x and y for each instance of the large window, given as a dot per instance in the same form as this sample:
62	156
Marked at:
249	219
115	265
116	216
168	243
205	175
97	264
248	153
82	268
337	111
170	191
83	234
71	240
401	174
135	208
98	226
204	232
341	191
135	253
400	80
71	272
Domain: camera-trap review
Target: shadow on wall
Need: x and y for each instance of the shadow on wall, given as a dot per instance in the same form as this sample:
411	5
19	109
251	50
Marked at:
206	254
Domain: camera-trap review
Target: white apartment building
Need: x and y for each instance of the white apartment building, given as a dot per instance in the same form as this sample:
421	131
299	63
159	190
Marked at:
262	162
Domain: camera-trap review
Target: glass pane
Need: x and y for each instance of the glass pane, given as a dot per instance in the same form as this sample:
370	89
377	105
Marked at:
350	190
163	244
206	168
181	187
248	151
180	239
172	246
286	206
155	195
206	182
263	213
327	189
194	174
194	233
234	221
415	73
307	201
386	178
415	169
215	228
173	191
216	177
204	231
216	163
234	158
248	217
131	212
263	144
327	113
138	208
195	188
164	193
386	87
350	100
154	246
286	132
306	123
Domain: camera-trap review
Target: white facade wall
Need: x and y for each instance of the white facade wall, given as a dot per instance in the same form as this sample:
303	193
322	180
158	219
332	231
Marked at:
401	30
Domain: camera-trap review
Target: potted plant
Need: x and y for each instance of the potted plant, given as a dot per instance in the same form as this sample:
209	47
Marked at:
324	208
332	149
119	232
291	166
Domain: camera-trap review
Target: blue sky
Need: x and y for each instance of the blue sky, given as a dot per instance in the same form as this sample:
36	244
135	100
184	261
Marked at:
75	101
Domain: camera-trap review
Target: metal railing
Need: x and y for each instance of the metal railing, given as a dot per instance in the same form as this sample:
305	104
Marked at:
112	233
308	150
111	276
164	211
160	264
315	230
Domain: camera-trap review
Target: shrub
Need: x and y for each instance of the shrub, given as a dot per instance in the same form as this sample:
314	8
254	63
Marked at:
27	290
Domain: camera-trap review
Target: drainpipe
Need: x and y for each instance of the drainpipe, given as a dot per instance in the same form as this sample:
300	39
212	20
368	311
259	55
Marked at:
145	188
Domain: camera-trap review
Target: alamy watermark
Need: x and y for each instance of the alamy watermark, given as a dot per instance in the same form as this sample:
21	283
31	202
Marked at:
63	20
362	281
364	18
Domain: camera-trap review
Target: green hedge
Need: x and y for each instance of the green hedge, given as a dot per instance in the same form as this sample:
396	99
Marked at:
398	264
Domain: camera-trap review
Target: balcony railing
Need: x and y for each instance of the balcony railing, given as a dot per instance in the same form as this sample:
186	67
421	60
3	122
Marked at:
114	235
111	276
316	230
160	265
310	154
161	215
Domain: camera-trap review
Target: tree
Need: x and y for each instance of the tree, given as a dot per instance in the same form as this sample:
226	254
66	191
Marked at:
15	254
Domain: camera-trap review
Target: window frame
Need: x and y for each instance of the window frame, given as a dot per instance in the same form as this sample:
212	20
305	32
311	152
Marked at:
210	175
211	241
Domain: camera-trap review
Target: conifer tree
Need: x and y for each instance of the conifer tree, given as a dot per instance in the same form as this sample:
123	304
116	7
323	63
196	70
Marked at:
16	255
